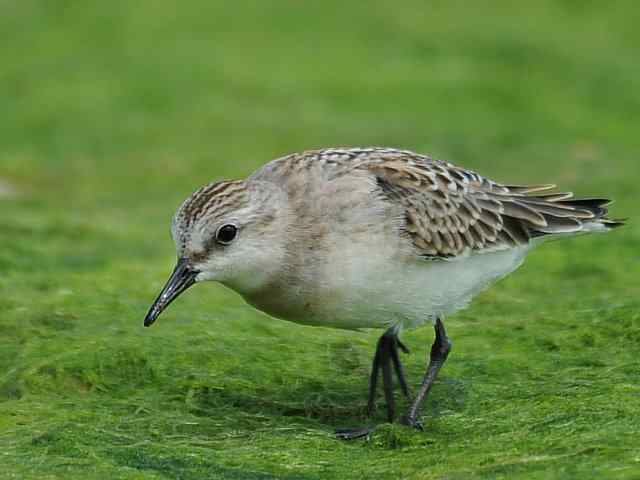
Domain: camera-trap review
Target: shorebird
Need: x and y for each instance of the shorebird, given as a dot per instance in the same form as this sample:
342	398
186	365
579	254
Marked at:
360	238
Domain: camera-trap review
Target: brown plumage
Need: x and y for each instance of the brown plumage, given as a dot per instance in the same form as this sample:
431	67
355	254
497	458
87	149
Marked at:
448	209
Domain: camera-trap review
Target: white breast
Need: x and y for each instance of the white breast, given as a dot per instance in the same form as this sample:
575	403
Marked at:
362	288
370	291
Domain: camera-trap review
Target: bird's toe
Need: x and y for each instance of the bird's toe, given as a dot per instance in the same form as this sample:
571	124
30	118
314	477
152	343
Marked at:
354	433
412	422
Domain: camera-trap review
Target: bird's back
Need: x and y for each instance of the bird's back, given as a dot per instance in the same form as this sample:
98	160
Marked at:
446	209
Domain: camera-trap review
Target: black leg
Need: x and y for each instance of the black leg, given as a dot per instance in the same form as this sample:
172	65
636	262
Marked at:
387	356
397	365
373	379
387	361
387	384
439	352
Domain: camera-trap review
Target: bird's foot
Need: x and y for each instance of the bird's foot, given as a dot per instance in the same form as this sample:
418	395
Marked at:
365	432
411	422
355	433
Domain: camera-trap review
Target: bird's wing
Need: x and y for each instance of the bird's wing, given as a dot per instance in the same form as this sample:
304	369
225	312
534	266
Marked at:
449	210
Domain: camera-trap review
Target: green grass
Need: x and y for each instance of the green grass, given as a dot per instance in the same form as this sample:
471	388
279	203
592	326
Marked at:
113	112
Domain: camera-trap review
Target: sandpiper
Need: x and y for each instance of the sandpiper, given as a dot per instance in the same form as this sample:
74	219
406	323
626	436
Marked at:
361	238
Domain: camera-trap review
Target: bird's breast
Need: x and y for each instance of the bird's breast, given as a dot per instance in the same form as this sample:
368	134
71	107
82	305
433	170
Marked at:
377	292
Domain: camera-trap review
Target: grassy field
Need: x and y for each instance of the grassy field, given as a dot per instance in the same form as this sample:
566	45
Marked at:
113	112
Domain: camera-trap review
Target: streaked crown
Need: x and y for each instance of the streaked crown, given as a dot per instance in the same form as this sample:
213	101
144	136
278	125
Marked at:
215	200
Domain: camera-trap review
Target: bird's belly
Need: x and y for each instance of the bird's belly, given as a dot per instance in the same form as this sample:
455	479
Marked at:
406	293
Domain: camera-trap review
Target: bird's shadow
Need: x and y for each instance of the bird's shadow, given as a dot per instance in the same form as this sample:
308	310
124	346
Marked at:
334	401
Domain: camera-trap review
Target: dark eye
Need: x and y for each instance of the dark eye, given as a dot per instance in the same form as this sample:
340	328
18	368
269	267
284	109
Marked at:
226	234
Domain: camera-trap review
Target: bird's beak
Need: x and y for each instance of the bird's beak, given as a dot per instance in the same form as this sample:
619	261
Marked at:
183	277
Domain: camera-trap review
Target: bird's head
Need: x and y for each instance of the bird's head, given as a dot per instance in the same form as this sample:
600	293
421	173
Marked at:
232	232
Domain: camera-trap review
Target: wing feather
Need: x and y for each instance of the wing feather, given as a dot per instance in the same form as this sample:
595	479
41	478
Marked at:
449	210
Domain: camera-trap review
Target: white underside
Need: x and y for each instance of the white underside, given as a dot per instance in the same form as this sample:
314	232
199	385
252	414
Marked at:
372	292
361	286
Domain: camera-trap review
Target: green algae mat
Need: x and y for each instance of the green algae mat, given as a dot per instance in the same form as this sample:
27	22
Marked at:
113	112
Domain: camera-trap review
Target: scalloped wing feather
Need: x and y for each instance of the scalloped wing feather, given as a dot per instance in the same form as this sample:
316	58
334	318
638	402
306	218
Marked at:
450	210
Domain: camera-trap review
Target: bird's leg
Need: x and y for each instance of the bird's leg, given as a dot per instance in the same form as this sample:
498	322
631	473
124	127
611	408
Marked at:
387	361
397	365
439	352
373	380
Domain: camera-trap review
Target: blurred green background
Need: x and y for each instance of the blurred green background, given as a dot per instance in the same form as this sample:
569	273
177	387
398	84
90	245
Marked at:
113	112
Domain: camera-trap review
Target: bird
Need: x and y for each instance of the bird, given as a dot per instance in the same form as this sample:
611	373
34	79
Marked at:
368	238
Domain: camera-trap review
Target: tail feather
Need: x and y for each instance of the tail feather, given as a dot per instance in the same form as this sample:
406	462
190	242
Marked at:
528	189
553	197
611	223
560	212
597	206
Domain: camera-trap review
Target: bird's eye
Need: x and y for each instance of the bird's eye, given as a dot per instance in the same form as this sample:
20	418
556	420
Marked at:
226	234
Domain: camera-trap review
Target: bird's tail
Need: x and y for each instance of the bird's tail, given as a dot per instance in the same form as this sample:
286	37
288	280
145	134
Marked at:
563	214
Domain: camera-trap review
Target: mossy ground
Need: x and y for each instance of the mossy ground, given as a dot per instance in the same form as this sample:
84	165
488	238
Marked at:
113	112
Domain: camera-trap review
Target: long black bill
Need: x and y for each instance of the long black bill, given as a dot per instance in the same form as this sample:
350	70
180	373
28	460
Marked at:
182	278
